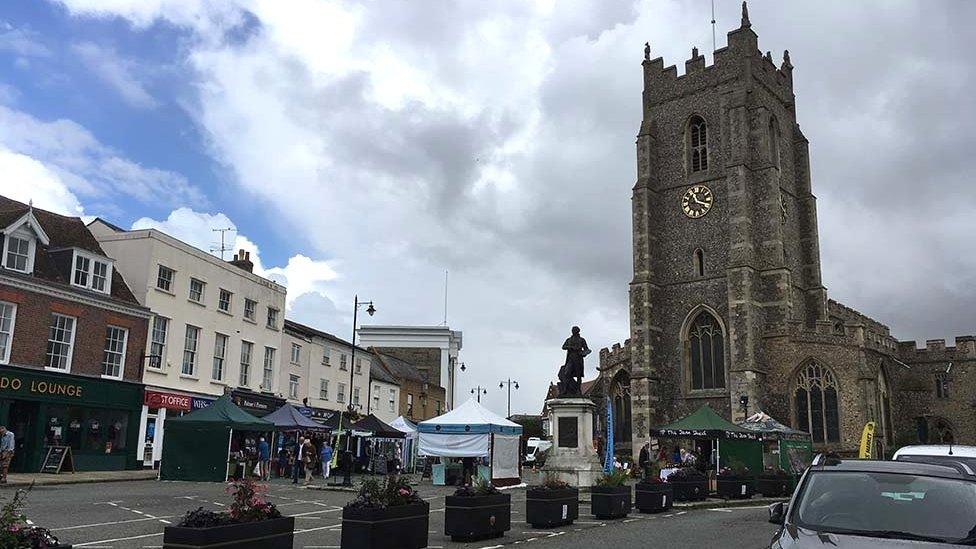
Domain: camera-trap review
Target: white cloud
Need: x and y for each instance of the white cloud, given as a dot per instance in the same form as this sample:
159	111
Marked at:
116	72
25	179
21	41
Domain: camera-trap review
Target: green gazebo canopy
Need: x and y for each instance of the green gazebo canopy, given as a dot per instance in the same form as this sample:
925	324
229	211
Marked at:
704	423
224	413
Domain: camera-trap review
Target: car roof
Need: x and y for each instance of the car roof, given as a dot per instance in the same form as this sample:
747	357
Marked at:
937	450
901	467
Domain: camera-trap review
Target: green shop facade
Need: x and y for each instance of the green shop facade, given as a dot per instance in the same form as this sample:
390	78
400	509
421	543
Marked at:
97	418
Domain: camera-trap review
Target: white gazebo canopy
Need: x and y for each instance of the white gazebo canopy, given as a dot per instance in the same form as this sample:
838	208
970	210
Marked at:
465	431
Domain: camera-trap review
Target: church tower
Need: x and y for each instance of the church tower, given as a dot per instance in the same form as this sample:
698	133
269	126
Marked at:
726	251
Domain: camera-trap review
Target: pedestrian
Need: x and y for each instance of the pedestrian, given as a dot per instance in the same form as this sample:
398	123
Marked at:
296	468
6	452
326	455
308	458
676	456
644	458
264	459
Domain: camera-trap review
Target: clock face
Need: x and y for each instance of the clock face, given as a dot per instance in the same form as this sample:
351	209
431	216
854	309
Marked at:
696	201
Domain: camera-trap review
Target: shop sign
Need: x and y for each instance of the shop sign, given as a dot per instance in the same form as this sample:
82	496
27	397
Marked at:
315	413
14	384
249	403
170	401
200	403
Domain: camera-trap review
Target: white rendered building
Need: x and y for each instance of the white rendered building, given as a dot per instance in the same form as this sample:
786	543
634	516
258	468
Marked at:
216	326
431	348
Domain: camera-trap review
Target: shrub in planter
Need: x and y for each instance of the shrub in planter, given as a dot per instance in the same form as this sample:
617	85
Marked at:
774	482
387	515
735	482
552	503
477	511
651	494
688	484
17	533
250	522
610	498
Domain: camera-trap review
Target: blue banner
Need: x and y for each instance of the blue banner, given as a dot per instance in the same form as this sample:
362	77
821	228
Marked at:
608	459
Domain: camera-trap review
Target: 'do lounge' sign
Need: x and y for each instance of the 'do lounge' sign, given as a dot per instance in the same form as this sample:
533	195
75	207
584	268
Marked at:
39	387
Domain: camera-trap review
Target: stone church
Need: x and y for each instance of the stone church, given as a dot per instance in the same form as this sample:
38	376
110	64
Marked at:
727	305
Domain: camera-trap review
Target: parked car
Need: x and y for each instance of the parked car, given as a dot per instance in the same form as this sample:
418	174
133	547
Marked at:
935	453
535	450
841	504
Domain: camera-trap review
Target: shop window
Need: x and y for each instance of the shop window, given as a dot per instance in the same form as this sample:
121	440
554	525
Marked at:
8	314
87	430
60	342
113	359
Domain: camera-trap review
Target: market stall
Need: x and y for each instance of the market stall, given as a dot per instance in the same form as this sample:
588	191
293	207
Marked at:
473	431
727	442
199	444
783	447
408	455
383	445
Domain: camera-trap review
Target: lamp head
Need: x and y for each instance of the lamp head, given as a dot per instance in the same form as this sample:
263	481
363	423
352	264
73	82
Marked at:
516	384
371	310
502	384
463	367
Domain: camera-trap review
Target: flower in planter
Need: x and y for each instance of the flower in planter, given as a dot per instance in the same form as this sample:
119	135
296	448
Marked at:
479	487
393	491
613	479
248	505
15	532
686	474
735	469
652	474
775	472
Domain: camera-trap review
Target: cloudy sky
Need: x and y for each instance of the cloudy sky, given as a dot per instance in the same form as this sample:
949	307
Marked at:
370	146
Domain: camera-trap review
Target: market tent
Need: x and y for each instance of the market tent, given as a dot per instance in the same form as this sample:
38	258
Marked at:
732	443
289	418
794	448
471	430
377	427
197	445
337	422
409	431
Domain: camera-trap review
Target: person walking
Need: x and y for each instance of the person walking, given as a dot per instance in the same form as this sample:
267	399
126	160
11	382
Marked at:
264	459
308	459
326	455
6	452
296	468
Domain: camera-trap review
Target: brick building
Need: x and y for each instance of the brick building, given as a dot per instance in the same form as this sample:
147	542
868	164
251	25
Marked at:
421	398
72	337
727	306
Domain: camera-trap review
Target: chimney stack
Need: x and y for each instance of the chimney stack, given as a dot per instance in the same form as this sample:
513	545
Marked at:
242	260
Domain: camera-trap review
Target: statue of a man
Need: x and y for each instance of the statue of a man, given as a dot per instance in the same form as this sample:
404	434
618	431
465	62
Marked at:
571	374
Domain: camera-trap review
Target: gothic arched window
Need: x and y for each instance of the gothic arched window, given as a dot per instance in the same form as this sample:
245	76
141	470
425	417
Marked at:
698	134
699	262
707	353
815	401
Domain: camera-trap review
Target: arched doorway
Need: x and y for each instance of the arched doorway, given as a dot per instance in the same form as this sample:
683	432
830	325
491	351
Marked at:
619	394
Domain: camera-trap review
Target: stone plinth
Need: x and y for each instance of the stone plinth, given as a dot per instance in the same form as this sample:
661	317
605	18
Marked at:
572	457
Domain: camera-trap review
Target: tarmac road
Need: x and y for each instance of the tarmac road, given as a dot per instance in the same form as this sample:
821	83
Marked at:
133	515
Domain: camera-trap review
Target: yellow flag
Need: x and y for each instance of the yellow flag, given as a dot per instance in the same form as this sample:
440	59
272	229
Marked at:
867	441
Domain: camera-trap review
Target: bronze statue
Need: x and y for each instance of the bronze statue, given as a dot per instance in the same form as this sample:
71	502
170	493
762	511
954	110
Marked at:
571	373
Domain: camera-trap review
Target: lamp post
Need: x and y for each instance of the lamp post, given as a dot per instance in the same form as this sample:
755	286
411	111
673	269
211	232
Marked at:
509	382
454	384
479	391
352	367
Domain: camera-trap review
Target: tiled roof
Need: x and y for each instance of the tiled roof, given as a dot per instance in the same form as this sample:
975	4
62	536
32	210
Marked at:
305	330
63	232
378	371
400	368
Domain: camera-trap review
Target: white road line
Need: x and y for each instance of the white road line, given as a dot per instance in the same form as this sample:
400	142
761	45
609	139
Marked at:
679	513
165	521
303	530
95	543
721	510
316	512
107	523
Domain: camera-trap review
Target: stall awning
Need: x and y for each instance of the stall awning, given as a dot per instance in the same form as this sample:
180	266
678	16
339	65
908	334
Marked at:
223	412
377	427
405	426
770	429
470	418
704	423
289	418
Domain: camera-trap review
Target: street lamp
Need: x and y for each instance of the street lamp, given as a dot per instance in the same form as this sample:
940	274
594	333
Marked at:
479	391
352	367
509	382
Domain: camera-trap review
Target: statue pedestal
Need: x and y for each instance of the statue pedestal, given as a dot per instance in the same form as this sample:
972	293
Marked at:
572	457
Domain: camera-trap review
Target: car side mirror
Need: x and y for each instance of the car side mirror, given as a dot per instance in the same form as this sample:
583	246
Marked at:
777	513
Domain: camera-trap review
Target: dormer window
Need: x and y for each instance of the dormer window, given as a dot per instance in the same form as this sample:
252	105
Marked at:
91	272
20	243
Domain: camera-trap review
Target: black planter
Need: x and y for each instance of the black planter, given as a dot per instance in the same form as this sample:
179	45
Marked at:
610	502
773	487
400	527
550	508
689	490
276	533
468	518
736	487
650	497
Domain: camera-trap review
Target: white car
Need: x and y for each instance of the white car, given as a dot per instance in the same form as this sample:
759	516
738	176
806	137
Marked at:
934	453
535	449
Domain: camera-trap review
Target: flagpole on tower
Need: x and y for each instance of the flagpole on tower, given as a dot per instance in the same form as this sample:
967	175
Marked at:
713	27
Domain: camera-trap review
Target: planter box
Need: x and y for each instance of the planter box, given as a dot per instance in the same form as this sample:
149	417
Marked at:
550	508
610	502
650	497
401	527
265	534
469	518
773	487
689	490
735	487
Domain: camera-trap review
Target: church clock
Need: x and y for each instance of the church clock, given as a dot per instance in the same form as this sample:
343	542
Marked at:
696	201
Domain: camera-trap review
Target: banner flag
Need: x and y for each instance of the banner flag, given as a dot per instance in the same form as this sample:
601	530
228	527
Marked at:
608	459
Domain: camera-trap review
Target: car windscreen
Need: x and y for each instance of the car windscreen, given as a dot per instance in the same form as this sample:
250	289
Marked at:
892	505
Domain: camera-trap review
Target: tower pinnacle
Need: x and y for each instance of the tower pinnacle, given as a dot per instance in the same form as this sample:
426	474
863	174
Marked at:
745	16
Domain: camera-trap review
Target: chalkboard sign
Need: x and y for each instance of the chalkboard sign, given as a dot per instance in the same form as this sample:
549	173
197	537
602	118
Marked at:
58	459
568	428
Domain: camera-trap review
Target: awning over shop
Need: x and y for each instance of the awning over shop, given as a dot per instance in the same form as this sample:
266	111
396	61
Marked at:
704	423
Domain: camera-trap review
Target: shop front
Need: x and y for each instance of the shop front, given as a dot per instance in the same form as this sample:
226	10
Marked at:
256	404
157	406
97	418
